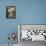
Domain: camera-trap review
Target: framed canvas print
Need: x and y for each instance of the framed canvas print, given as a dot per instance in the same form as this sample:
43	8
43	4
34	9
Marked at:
32	32
11	12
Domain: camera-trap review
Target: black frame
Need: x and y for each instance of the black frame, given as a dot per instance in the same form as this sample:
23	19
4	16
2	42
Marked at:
7	16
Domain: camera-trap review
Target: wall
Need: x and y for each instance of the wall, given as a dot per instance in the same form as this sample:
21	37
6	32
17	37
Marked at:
31	11
6	25
27	12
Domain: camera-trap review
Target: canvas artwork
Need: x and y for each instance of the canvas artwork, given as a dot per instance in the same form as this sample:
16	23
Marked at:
11	12
33	32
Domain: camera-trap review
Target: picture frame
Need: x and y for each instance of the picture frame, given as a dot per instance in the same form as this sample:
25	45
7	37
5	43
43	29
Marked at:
10	12
36	32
